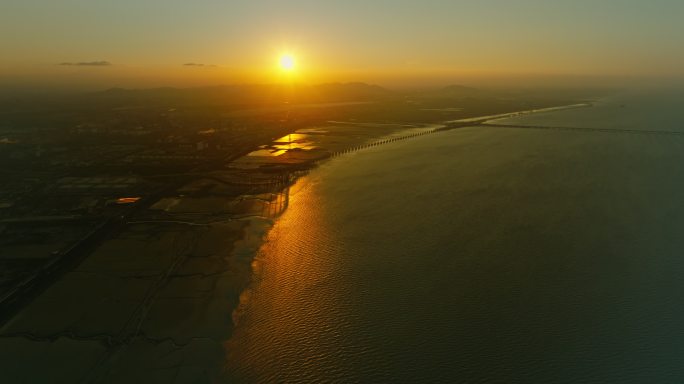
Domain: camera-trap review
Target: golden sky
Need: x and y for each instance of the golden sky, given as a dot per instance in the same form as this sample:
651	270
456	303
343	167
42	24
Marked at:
150	42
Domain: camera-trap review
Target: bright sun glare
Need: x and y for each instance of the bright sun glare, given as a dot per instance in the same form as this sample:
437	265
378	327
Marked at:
287	62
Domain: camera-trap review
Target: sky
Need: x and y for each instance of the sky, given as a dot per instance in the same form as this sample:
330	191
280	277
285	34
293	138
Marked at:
148	42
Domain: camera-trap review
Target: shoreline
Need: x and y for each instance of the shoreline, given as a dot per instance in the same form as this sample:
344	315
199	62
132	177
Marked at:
484	119
261	229
200	243
256	264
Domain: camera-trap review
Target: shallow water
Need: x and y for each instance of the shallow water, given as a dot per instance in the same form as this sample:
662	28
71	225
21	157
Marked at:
481	255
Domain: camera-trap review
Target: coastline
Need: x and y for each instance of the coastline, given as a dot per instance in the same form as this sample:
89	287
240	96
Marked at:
186	296
338	287
260	229
490	118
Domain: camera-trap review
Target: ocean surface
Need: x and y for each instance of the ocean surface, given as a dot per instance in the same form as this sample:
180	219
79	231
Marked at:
483	254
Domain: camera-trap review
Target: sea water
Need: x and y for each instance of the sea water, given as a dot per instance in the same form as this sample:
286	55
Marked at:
482	254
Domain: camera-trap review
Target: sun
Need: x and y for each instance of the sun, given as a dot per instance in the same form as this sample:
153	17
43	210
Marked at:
287	62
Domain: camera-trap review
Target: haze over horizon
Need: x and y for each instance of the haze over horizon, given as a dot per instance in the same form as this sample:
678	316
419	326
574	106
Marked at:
100	44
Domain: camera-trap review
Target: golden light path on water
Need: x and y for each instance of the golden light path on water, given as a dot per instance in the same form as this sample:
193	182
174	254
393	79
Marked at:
300	288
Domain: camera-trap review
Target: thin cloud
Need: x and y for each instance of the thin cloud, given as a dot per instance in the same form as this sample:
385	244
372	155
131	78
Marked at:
199	65
88	64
